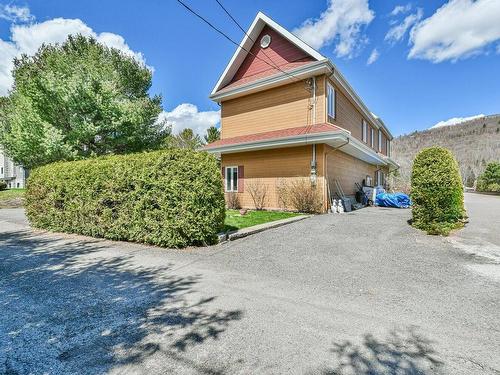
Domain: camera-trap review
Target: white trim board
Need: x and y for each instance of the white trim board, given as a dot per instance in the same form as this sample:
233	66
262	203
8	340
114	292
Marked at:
322	66
253	32
354	147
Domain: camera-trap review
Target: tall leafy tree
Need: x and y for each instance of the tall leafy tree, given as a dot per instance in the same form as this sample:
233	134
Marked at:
77	100
489	180
213	134
187	139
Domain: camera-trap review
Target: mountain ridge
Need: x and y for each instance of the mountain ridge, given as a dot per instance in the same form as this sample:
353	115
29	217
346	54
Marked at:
474	143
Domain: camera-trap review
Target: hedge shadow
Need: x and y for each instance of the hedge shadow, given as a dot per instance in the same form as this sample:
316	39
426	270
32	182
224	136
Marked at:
67	309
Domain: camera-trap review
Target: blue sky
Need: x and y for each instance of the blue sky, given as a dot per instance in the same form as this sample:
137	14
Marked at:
450	67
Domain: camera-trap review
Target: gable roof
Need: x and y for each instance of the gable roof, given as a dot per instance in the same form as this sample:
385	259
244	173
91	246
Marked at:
258	24
318	64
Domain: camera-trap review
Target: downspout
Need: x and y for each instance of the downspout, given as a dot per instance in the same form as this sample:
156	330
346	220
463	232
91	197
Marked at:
326	168
314	101
313	166
313	161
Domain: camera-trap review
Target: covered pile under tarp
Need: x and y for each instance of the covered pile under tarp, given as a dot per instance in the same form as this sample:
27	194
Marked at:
398	200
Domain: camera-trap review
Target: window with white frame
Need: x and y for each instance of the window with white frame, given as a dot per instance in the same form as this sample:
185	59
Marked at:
379	178
379	140
330	98
231	179
388	143
364	131
372	137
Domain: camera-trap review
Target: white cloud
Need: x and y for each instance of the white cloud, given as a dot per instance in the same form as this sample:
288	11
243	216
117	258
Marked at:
187	115
28	38
459	29
396	33
14	13
373	57
455	121
340	23
401	9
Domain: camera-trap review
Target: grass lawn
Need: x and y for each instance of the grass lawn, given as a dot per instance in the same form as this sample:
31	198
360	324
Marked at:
236	221
11	198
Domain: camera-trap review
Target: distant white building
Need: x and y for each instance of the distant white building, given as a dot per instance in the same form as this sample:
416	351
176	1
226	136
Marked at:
14	175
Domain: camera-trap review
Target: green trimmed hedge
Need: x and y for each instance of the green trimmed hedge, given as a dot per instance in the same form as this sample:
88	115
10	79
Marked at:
436	191
171	198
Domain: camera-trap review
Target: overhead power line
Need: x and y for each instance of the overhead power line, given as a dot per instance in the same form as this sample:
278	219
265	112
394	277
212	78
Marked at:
244	32
230	39
235	43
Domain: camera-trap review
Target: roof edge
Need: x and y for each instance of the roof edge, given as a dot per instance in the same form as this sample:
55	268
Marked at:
256	27
301	72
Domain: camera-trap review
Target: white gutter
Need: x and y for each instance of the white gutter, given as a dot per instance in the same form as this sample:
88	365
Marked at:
304	139
301	72
277	142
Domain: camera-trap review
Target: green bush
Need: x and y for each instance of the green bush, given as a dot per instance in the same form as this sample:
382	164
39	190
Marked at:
171	198
490	178
3	185
437	191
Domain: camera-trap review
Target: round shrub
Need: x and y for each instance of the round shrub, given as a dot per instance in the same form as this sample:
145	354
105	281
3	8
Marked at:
436	191
171	198
490	178
3	185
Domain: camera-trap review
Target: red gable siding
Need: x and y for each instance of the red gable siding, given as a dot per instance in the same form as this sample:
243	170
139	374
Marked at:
280	52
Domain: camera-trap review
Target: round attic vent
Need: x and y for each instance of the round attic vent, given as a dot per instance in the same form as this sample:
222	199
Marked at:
265	41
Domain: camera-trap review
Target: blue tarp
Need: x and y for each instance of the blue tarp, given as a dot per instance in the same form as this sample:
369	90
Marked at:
398	200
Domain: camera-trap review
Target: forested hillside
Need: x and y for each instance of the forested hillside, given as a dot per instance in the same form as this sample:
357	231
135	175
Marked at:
474	143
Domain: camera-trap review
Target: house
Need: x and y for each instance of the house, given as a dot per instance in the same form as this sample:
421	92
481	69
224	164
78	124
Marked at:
14	175
287	113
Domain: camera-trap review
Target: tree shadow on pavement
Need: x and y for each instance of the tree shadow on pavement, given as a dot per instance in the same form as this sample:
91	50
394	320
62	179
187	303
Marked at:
402	352
66	307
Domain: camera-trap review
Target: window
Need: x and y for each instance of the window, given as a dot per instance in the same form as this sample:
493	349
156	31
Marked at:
1	170
388	143
231	179
372	137
379	140
364	130
379	178
330	97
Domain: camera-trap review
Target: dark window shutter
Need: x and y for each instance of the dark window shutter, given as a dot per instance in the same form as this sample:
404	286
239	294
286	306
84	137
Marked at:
241	179
223	171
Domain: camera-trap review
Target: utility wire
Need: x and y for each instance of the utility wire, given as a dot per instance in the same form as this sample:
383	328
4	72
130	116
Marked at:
231	40
244	31
237	44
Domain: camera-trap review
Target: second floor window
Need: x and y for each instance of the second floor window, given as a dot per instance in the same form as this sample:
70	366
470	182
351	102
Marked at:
379	140
364	131
372	137
388	145
330	98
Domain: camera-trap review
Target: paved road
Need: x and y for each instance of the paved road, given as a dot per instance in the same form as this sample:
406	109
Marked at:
359	293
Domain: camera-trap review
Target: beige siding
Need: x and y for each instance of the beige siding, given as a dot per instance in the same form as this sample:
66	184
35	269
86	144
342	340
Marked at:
270	167
278	108
351	119
347	170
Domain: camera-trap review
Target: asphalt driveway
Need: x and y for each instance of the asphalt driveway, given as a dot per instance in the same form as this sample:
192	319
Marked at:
359	293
